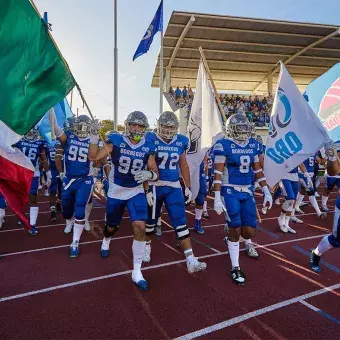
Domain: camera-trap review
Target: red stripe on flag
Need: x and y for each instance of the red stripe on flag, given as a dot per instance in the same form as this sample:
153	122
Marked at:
15	182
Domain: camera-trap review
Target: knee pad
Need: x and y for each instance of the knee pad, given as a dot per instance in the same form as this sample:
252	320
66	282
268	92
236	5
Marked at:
149	229
109	233
288	205
182	232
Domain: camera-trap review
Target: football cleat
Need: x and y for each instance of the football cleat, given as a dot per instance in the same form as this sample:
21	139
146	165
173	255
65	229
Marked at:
87	226
158	228
198	227
195	266
237	276
104	253
314	262
141	284
53	215
74	250
322	216
205	215
283	227
325	209
251	251
295	219
33	231
291	230
69	226
299	211
147	254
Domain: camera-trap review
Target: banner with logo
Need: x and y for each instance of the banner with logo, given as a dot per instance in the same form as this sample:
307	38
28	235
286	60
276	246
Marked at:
323	96
295	132
205	127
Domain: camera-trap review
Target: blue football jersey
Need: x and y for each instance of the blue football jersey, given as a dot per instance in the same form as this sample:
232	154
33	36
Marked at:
310	163
50	153
239	160
76	162
127	159
168	155
31	149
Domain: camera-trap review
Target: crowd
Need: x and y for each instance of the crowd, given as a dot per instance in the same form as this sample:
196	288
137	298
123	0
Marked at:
256	108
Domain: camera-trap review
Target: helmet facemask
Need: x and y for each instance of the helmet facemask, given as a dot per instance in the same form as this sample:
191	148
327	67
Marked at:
167	125
31	135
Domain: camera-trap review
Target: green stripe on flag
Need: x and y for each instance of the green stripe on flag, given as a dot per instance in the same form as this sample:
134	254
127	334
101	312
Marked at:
33	74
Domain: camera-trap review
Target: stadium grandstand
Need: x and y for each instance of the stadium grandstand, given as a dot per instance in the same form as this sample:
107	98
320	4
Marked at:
243	55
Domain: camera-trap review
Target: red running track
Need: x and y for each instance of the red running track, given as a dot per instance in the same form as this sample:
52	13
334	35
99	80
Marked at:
46	295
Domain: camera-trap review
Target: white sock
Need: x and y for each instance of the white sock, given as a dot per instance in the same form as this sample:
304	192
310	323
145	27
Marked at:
198	214
88	212
324	200
282	218
299	200
323	246
33	215
287	218
189	254
106	243
315	205
205	206
2	215
77	231
138	250
246	242
234	253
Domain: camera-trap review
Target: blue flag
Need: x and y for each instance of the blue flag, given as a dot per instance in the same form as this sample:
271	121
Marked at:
155	26
62	111
323	95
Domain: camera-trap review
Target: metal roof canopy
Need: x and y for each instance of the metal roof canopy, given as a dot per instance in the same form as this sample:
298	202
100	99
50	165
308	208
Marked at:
243	53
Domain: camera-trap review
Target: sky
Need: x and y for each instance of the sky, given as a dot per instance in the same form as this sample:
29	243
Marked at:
83	30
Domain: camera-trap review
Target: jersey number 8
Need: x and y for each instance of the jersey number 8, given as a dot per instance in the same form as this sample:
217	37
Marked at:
245	163
125	163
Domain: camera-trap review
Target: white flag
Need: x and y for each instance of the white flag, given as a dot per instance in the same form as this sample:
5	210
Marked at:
295	132
204	128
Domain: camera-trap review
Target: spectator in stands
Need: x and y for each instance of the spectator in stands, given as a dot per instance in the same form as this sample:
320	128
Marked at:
178	94
185	92
171	91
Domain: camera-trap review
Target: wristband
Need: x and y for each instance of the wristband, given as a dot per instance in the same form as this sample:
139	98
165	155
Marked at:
265	190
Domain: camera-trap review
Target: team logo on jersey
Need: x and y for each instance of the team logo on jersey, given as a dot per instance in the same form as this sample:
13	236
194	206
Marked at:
329	110
156	142
71	136
179	144
280	122
194	130
232	146
145	149
122	145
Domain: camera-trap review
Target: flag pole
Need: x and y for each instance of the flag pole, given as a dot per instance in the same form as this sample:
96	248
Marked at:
161	76
207	69
115	70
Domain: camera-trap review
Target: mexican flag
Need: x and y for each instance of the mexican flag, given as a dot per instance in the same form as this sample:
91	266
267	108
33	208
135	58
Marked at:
34	77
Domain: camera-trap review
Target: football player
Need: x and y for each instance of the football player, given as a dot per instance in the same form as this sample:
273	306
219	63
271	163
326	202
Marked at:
33	148
236	159
310	164
171	160
130	154
332	240
76	176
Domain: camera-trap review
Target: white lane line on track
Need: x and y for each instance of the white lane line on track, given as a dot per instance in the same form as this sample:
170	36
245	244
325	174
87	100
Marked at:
256	313
109	276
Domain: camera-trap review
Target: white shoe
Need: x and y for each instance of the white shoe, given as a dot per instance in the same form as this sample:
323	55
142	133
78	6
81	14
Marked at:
69	226
46	193
40	187
283	227
277	201
87	226
299	211
316	194
195	266
291	230
295	219
251	251
147	254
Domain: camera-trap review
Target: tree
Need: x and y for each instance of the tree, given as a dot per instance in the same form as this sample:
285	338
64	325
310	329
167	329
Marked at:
107	125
